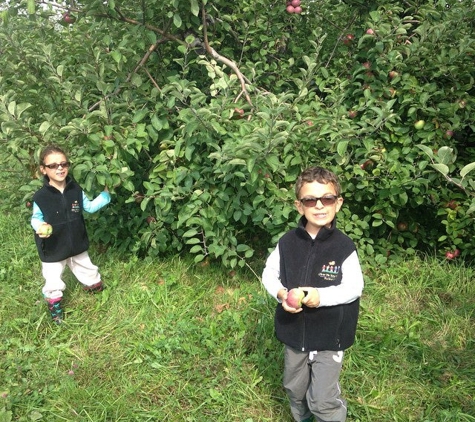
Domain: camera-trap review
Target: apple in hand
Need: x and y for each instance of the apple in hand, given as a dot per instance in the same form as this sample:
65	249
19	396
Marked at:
294	298
45	230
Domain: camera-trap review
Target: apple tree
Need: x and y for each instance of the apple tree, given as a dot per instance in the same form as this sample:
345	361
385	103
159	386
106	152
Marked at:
200	116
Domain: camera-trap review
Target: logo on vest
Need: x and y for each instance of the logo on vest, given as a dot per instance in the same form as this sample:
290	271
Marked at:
330	271
75	207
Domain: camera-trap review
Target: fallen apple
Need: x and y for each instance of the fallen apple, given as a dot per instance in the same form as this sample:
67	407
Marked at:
294	298
45	230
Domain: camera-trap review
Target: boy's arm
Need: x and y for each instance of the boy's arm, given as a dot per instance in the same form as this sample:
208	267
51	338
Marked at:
349	290
97	203
271	276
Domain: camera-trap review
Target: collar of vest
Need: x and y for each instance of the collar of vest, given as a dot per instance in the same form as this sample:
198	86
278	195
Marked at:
323	234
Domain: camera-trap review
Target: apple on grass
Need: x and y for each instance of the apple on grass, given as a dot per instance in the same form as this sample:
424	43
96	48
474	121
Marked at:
45	230
294	298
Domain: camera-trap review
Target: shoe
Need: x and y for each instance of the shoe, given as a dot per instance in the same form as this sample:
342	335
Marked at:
310	419
54	306
95	288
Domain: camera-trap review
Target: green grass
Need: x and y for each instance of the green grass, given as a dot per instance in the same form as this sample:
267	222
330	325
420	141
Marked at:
172	341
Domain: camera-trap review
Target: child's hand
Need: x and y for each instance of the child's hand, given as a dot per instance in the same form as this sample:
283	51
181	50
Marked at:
312	298
45	230
282	295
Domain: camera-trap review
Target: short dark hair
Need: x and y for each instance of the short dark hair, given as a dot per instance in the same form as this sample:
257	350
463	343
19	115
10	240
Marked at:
50	149
320	175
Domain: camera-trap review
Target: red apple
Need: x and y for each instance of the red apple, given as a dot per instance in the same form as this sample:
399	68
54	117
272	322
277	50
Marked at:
449	133
367	165
393	74
290	9
352	114
298	10
402	226
238	113
151	219
456	252
370	31
449	255
367	65
67	18
295	3
452	204
294	298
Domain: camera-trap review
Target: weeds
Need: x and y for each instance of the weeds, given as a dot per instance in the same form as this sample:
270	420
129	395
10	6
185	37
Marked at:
172	341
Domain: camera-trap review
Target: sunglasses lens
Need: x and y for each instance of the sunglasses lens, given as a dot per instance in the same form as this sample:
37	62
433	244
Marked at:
309	202
326	201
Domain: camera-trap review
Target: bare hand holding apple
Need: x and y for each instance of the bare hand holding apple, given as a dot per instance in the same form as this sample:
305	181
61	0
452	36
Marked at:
292	300
45	230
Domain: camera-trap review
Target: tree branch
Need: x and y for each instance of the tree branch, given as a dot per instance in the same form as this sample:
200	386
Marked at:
213	53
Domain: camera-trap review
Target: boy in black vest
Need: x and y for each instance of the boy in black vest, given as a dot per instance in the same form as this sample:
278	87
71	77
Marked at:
322	261
60	230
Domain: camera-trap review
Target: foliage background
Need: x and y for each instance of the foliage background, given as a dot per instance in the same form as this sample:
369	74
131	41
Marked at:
201	115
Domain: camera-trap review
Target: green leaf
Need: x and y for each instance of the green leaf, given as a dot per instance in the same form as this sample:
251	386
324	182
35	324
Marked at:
427	150
195	8
44	127
31	7
446	155
468	168
177	20
442	168
190	233
139	115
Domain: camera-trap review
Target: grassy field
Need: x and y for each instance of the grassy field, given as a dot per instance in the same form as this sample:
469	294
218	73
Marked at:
172	341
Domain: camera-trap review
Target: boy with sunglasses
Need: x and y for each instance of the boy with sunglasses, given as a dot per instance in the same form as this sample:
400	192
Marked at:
322	261
60	230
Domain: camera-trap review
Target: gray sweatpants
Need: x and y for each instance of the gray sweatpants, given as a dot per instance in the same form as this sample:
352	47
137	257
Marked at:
311	380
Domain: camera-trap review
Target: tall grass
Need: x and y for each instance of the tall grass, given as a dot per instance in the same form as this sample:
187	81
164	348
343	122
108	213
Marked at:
171	341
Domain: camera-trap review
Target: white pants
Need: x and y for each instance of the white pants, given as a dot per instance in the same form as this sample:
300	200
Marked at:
80	265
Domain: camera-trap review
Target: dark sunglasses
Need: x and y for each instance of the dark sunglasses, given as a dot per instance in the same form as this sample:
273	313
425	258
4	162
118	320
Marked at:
64	165
325	200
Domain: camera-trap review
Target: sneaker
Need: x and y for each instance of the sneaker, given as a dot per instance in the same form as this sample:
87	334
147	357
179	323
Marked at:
54	306
95	288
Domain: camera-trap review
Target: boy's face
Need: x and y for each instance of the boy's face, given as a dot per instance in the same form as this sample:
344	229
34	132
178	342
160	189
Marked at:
318	215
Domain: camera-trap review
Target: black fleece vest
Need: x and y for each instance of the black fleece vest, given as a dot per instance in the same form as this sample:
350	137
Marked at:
315	263
64	211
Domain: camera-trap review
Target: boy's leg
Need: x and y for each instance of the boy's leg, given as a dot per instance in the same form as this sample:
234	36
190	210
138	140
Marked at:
324	395
53	288
297	381
86	272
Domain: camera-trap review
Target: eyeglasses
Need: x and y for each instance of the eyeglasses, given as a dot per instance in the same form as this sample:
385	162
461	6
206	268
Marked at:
64	165
325	200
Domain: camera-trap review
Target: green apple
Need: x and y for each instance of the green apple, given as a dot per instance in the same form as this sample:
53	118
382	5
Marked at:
419	124
45	230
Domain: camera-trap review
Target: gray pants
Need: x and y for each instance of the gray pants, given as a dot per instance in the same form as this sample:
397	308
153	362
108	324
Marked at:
311	380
